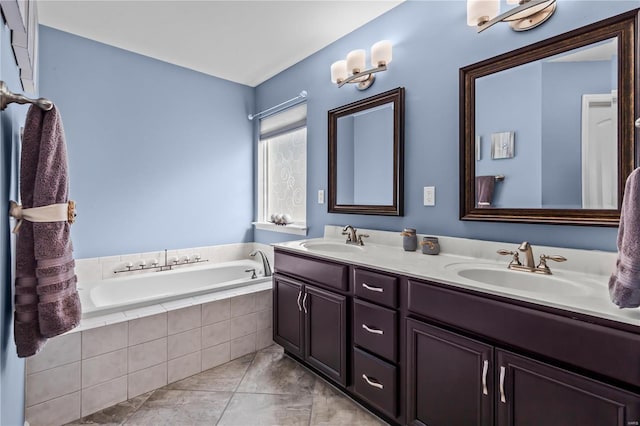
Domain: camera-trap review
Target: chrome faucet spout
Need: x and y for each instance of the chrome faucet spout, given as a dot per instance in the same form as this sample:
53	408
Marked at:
528	253
265	262
351	233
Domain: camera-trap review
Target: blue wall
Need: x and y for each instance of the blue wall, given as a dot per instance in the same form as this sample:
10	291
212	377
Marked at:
431	42
11	119
160	156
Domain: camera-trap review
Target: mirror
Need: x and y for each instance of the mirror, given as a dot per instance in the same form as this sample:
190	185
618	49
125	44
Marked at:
547	131
366	144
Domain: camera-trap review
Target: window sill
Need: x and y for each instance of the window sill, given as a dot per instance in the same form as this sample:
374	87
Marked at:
292	228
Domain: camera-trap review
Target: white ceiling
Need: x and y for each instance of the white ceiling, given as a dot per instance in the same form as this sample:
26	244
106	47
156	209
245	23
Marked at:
243	41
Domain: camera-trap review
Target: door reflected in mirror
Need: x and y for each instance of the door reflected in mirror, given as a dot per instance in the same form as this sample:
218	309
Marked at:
563	111
366	145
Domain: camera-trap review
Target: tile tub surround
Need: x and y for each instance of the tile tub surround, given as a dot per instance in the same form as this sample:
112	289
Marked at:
82	372
265	387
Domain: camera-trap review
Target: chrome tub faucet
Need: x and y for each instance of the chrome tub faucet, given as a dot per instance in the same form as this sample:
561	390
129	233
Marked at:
265	261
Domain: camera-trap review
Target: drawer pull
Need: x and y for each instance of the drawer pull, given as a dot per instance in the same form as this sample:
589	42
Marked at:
372	330
372	383
372	288
299	295
304	303
502	374
485	369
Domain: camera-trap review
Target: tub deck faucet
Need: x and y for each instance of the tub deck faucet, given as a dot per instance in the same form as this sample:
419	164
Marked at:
265	262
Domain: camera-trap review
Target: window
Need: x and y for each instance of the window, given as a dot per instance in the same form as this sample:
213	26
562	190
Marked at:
282	170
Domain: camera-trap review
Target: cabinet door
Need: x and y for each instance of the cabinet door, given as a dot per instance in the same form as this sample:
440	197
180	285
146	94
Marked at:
288	315
450	378
325	332
533	393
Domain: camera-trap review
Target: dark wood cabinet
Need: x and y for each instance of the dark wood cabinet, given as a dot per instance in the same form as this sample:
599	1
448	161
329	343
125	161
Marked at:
311	323
533	393
450	378
325	332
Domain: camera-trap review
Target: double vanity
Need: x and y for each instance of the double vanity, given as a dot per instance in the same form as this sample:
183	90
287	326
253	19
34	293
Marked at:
458	338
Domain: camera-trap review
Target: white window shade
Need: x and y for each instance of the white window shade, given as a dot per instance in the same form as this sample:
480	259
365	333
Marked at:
290	119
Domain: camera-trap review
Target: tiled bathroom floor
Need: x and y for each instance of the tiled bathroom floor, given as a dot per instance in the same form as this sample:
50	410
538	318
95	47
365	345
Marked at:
263	388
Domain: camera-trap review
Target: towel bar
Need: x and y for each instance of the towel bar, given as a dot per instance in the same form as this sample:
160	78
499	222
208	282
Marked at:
7	97
498	178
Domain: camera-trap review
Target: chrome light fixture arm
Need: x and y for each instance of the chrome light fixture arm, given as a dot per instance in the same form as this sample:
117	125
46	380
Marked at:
529	21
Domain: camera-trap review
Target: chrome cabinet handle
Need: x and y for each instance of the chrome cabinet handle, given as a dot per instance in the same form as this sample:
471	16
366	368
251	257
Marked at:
304	302
372	330
371	383
485	369
502	374
377	289
299	295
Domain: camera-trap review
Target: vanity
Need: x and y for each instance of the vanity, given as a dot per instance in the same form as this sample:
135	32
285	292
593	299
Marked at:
413	340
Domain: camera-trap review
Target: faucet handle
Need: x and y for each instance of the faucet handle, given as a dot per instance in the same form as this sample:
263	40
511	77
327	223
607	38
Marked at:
516	256
542	266
360	237
555	258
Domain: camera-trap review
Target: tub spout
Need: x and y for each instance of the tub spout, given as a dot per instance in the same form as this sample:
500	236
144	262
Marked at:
265	262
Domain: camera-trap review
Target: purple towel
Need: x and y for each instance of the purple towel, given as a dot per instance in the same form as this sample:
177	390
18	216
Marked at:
624	284
47	302
484	190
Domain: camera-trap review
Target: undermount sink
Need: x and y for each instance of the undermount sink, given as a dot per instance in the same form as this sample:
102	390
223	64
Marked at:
519	280
331	247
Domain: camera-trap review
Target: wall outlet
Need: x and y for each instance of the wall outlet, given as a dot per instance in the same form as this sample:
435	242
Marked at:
429	195
321	196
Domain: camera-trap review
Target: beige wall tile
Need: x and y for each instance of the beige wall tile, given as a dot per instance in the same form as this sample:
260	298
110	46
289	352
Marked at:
104	395
263	300
104	367
101	340
215	334
216	355
147	354
264	319
184	319
56	411
58	351
243	345
147	380
216	311
184	343
241	326
52	383
243	305
148	328
264	338
184	366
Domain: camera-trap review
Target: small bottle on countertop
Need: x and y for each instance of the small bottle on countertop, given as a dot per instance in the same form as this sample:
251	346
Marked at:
409	240
430	245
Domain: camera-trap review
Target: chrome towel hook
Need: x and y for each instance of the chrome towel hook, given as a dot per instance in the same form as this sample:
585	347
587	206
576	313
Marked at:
7	97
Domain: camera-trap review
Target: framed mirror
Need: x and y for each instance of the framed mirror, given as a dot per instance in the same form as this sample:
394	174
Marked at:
366	154
547	131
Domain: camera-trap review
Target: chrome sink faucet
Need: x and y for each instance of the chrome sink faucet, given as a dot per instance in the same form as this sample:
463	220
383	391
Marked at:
529	263
265	262
352	235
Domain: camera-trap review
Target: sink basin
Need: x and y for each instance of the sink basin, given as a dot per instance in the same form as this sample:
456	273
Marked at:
331	247
519	280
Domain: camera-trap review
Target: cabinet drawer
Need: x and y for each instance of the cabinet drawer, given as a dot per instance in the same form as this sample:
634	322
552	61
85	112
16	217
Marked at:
375	381
317	271
607	351
375	329
376	287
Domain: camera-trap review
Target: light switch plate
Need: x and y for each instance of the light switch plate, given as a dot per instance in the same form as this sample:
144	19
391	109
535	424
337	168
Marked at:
321	196
429	195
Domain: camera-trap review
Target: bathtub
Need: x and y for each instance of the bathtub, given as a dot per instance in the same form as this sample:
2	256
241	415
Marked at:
152	287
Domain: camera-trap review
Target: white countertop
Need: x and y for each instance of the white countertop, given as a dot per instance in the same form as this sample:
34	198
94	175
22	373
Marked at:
584	277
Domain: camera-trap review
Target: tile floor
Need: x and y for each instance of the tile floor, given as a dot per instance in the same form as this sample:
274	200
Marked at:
262	388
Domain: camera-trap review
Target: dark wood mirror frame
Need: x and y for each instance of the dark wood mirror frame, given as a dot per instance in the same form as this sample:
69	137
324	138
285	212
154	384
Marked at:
625	28
396	209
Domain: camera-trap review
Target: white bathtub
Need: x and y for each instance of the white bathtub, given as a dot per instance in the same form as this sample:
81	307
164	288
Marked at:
151	287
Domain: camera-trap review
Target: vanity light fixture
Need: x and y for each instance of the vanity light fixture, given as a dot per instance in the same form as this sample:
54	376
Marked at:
352	70
527	15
